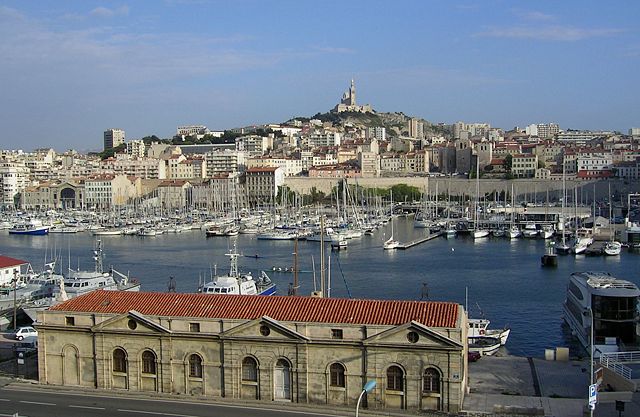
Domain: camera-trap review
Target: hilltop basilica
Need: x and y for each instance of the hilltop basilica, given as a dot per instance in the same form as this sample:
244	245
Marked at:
348	102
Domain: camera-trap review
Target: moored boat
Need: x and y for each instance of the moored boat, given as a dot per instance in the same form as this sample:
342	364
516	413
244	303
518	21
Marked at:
239	283
33	228
484	345
604	306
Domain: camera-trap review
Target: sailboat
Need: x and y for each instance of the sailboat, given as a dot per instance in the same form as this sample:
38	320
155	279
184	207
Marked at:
612	247
561	247
477	232
514	230
391	243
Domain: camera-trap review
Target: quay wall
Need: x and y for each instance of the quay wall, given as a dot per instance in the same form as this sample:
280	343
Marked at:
528	187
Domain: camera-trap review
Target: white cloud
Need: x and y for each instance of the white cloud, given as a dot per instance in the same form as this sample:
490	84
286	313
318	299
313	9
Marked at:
548	33
534	15
334	50
106	12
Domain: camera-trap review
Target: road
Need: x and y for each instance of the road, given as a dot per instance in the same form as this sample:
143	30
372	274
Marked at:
39	402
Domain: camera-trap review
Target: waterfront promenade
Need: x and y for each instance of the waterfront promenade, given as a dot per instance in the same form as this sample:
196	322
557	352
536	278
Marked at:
501	385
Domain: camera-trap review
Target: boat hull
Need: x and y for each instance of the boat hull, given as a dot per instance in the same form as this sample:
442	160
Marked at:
31	232
484	345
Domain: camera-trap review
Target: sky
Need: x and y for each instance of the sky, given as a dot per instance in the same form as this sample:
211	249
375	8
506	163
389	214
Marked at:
71	69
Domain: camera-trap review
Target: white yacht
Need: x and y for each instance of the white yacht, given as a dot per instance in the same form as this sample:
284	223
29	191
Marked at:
480	233
530	230
609	303
514	232
239	283
78	282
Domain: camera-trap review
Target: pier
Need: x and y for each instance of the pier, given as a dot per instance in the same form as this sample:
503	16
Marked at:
419	241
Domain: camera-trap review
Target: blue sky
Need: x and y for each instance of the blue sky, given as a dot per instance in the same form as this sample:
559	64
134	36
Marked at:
71	69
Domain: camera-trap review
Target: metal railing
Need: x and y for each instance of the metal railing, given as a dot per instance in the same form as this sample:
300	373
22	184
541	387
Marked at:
614	361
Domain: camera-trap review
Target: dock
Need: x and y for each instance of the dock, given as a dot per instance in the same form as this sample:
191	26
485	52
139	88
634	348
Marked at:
419	241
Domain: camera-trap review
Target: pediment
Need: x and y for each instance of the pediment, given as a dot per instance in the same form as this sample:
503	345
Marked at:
426	337
132	322
256	329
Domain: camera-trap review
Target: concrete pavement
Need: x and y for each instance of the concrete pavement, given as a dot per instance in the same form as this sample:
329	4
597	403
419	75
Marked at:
532	386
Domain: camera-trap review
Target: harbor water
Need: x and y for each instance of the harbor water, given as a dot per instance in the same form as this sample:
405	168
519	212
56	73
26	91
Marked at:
503	278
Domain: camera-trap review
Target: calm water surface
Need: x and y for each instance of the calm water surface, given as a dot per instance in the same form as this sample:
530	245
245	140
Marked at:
504	279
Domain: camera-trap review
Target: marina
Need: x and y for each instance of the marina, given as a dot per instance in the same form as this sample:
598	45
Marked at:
528	298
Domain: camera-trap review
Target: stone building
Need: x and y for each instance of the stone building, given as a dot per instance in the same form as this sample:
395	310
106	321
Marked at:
292	349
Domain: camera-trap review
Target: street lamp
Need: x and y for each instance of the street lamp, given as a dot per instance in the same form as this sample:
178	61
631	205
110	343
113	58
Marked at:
591	341
14	281
368	387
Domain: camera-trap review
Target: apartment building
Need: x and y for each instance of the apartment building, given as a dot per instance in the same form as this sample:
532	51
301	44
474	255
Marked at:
103	192
137	148
290	166
262	184
14	178
113	138
524	165
225	161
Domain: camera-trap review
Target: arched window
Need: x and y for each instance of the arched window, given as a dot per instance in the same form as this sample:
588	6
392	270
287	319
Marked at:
119	361
336	371
249	369
148	362
395	378
431	381
195	366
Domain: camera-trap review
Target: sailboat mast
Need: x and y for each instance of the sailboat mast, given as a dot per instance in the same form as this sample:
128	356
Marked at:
295	266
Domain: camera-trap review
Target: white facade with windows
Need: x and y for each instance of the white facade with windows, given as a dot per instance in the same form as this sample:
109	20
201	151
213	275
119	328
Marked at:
14	178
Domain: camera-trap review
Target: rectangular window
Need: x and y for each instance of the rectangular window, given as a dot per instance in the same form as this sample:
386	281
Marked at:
336	333
194	327
70	321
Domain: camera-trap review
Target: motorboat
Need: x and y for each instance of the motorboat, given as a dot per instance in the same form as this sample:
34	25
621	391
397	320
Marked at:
499	232
484	345
79	282
107	232
514	232
480	233
546	232
239	283
338	243
480	328
612	248
32	227
581	245
530	230
600	304
451	232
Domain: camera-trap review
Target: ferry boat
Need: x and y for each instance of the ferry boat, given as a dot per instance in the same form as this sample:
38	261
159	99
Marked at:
609	303
239	283
78	282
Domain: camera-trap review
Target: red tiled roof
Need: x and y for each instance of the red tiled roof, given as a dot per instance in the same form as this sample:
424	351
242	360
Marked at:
282	308
6	262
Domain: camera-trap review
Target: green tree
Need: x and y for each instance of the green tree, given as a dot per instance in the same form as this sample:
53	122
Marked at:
508	160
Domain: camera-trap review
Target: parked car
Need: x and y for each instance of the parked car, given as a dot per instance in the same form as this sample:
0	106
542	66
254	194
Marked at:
26	331
473	356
